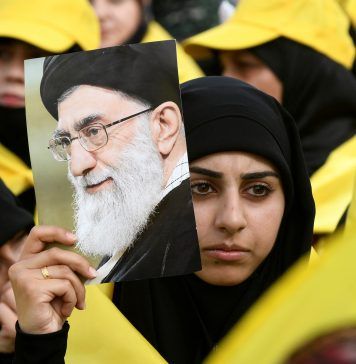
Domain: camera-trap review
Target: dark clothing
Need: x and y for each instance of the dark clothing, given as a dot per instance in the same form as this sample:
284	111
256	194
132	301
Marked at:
13	132
6	358
13	218
169	244
319	94
183	317
41	349
13	135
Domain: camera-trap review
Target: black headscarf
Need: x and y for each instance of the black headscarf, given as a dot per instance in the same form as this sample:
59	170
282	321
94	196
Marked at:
184	317
13	135
318	92
13	218
146	16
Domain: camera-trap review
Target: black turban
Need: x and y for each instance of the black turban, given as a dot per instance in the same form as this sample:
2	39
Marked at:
13	218
185	317
147	72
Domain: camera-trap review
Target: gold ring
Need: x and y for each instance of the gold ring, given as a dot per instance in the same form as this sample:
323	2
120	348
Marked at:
45	273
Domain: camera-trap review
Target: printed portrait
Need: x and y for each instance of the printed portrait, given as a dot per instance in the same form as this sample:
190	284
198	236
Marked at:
109	158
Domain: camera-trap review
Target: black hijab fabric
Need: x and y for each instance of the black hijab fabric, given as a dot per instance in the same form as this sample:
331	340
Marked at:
184	317
13	218
13	132
13	135
318	92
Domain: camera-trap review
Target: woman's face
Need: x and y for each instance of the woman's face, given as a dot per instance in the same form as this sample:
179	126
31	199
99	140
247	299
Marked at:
238	203
245	66
119	20
12	56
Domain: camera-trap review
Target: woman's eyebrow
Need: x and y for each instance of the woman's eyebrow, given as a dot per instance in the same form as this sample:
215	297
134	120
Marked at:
257	175
206	172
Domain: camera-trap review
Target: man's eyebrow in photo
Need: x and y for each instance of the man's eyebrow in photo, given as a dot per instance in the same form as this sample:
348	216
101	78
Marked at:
82	123
60	133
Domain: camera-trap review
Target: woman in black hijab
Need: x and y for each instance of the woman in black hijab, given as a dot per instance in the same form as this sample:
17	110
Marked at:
315	90
242	146
15	223
254	211
318	92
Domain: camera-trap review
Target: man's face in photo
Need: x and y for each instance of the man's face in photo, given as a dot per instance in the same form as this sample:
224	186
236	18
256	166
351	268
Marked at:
118	185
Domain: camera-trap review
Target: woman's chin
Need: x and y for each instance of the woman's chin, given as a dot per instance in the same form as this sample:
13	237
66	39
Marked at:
222	277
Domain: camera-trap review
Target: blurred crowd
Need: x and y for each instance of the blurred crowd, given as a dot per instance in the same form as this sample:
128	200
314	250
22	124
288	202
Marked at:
302	53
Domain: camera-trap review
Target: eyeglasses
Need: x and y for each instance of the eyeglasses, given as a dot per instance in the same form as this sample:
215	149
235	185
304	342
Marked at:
91	138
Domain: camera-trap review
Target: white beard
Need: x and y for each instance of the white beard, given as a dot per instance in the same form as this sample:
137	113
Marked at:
108	221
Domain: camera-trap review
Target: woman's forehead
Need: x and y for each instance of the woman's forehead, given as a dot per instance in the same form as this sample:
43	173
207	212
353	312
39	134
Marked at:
234	161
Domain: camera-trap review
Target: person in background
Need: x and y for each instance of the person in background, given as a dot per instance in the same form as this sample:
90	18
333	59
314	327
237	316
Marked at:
28	30
309	73
187	17
15	223
130	21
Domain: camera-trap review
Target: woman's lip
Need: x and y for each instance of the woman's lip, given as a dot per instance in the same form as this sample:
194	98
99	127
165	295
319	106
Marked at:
226	253
9	100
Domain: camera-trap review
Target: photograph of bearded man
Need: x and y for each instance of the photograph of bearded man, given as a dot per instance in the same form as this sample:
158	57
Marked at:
119	128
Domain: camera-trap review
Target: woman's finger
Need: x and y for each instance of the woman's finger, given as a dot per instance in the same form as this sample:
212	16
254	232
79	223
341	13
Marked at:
40	236
64	272
57	256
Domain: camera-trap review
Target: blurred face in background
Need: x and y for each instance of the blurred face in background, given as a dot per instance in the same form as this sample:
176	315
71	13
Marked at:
245	66
119	20
9	254
12	55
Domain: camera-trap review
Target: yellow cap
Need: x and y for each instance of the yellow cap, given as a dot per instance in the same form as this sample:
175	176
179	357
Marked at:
350	8
52	25
319	24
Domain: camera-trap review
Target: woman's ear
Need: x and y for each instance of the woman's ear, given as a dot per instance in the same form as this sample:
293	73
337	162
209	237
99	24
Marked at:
166	123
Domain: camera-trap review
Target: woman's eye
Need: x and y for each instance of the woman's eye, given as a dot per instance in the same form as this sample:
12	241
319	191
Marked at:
201	188
259	190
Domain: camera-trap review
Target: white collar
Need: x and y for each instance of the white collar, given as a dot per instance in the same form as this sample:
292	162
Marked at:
179	174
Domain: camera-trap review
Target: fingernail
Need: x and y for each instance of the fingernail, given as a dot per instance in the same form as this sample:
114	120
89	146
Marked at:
71	236
93	273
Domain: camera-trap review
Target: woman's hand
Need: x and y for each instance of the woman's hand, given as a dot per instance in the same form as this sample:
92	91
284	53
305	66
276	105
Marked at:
46	283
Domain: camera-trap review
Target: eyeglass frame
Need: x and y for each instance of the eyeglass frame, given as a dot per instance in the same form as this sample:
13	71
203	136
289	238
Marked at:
104	127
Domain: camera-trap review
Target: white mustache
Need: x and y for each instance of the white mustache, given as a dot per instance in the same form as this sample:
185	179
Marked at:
92	178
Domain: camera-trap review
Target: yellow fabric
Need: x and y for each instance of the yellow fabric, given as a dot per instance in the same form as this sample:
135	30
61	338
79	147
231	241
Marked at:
313	255
14	172
53	25
301	306
332	187
187	68
101	334
319	24
350	8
